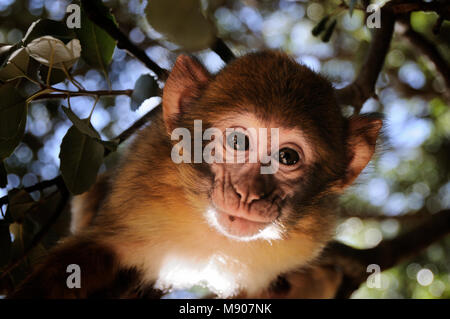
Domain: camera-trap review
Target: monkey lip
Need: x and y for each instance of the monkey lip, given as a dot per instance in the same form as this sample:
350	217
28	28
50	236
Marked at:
240	226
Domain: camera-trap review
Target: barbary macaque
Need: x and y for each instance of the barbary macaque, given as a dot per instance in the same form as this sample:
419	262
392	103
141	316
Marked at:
158	223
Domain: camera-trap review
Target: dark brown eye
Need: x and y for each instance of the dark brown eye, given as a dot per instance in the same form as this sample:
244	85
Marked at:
287	156
238	141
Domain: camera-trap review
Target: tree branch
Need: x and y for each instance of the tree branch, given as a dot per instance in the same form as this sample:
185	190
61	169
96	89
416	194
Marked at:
353	262
363	87
65	94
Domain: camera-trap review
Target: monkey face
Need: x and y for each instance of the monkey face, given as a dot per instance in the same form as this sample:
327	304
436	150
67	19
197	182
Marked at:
293	183
255	176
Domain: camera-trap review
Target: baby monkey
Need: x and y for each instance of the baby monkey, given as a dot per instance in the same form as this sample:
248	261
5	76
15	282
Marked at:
157	223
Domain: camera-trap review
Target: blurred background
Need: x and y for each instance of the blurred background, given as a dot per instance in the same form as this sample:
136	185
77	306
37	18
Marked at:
408	179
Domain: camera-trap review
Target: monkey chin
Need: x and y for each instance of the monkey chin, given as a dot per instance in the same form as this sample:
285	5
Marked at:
242	229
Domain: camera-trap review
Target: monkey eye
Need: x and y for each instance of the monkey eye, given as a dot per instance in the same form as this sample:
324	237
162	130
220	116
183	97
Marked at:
288	156
238	141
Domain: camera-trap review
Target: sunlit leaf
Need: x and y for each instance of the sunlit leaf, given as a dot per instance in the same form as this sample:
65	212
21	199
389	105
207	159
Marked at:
13	116
145	87
97	45
49	50
182	22
81	157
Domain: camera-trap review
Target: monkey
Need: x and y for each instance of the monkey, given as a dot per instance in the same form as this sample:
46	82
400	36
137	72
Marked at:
154	225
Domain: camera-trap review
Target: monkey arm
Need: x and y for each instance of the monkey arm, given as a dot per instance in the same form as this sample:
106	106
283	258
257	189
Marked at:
97	265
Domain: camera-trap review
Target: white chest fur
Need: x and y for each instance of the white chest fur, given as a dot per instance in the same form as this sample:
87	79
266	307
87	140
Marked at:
222	265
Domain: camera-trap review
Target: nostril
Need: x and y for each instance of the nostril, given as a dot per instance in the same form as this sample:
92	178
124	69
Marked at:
256	197
237	191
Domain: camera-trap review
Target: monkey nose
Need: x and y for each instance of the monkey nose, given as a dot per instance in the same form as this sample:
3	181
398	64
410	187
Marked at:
249	196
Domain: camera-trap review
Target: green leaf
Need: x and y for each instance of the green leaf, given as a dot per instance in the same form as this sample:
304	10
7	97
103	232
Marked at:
5	243
145	87
351	6
13	117
3	175
20	202
320	27
182	22
16	66
81	157
97	46
57	75
83	125
43	27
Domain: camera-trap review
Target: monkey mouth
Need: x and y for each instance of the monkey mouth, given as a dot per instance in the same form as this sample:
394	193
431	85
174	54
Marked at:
239	225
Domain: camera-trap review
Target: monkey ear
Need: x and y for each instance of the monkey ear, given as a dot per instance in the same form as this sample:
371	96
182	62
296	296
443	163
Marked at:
363	132
185	82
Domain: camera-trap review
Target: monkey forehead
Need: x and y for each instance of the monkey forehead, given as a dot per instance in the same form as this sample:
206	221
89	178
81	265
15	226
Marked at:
286	135
273	85
271	76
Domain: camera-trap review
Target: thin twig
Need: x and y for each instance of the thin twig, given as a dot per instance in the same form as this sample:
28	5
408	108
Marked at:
63	94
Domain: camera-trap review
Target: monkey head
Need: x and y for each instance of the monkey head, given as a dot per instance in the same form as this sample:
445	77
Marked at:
309	152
